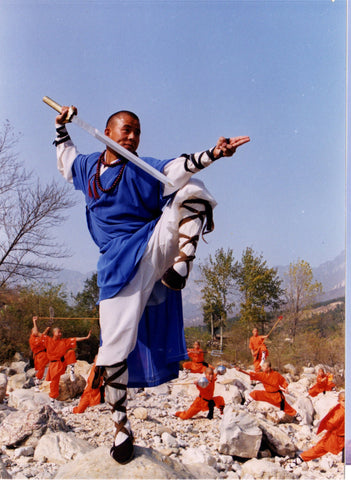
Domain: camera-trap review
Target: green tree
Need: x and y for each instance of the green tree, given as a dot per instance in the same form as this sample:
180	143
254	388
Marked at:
301	292
260	289
86	300
218	279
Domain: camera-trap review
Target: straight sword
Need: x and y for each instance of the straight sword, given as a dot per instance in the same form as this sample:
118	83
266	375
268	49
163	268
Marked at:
111	143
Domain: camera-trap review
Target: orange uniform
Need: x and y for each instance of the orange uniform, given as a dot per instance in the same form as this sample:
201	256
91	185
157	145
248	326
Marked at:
272	382
258	346
324	384
60	354
201	403
197	361
334	440
91	396
37	345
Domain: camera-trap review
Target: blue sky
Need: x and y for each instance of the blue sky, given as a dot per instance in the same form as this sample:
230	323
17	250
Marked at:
192	71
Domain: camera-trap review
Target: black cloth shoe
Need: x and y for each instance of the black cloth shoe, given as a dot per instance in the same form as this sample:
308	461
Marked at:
173	280
124	452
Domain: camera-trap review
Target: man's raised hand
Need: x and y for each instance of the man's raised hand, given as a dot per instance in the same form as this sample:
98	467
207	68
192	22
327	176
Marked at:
226	147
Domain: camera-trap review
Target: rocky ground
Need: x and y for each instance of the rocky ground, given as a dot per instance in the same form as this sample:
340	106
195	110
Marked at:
244	443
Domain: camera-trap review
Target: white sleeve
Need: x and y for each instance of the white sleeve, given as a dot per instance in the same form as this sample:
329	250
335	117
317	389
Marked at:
66	152
181	169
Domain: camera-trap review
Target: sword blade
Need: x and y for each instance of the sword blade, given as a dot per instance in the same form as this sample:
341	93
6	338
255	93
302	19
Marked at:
121	150
112	144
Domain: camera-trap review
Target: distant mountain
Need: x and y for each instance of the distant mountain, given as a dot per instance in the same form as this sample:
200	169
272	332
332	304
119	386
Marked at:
331	274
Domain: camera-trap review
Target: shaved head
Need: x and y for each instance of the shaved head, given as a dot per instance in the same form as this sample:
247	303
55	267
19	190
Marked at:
120	114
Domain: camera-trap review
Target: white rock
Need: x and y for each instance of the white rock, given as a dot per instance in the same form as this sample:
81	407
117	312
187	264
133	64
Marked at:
198	455
16	381
141	413
147	463
60	447
264	469
169	440
240	434
3	386
27	399
24	452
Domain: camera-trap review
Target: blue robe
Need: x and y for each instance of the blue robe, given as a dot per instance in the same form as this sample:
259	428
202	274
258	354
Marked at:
121	224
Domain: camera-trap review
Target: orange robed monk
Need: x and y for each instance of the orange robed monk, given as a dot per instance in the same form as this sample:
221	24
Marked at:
259	350
91	396
324	383
274	385
37	345
333	441
197	364
60	353
205	401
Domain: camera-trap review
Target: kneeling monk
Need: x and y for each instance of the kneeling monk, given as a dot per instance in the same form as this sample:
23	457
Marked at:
205	401
197	364
333	441
323	384
274	384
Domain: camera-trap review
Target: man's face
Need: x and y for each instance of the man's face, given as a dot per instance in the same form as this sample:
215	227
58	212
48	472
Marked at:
266	368
209	375
57	333
124	130
255	332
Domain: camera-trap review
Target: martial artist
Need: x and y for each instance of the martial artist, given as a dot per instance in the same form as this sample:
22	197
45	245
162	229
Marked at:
37	345
60	352
205	401
274	386
197	363
334	439
259	350
323	384
147	233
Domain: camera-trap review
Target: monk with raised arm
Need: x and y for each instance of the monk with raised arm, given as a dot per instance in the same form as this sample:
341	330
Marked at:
60	352
37	345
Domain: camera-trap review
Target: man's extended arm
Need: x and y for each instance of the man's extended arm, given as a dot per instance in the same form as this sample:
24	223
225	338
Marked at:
181	169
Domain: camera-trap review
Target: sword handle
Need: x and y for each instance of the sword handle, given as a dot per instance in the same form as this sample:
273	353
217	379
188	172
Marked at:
56	106
52	104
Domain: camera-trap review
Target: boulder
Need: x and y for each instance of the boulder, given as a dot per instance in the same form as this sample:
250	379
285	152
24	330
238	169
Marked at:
19	366
304	407
198	455
27	426
324	402
240	434
276	439
264	469
27	399
3	472
3	386
147	464
60	448
16	381
68	389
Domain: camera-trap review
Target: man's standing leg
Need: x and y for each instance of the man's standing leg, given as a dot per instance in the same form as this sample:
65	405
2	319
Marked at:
120	315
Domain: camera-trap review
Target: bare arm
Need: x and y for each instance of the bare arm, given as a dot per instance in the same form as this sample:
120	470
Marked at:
80	339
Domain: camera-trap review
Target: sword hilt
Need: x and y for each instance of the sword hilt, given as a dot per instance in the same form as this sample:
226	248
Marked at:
56	106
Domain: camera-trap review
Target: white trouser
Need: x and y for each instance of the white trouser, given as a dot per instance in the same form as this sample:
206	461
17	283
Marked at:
120	315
